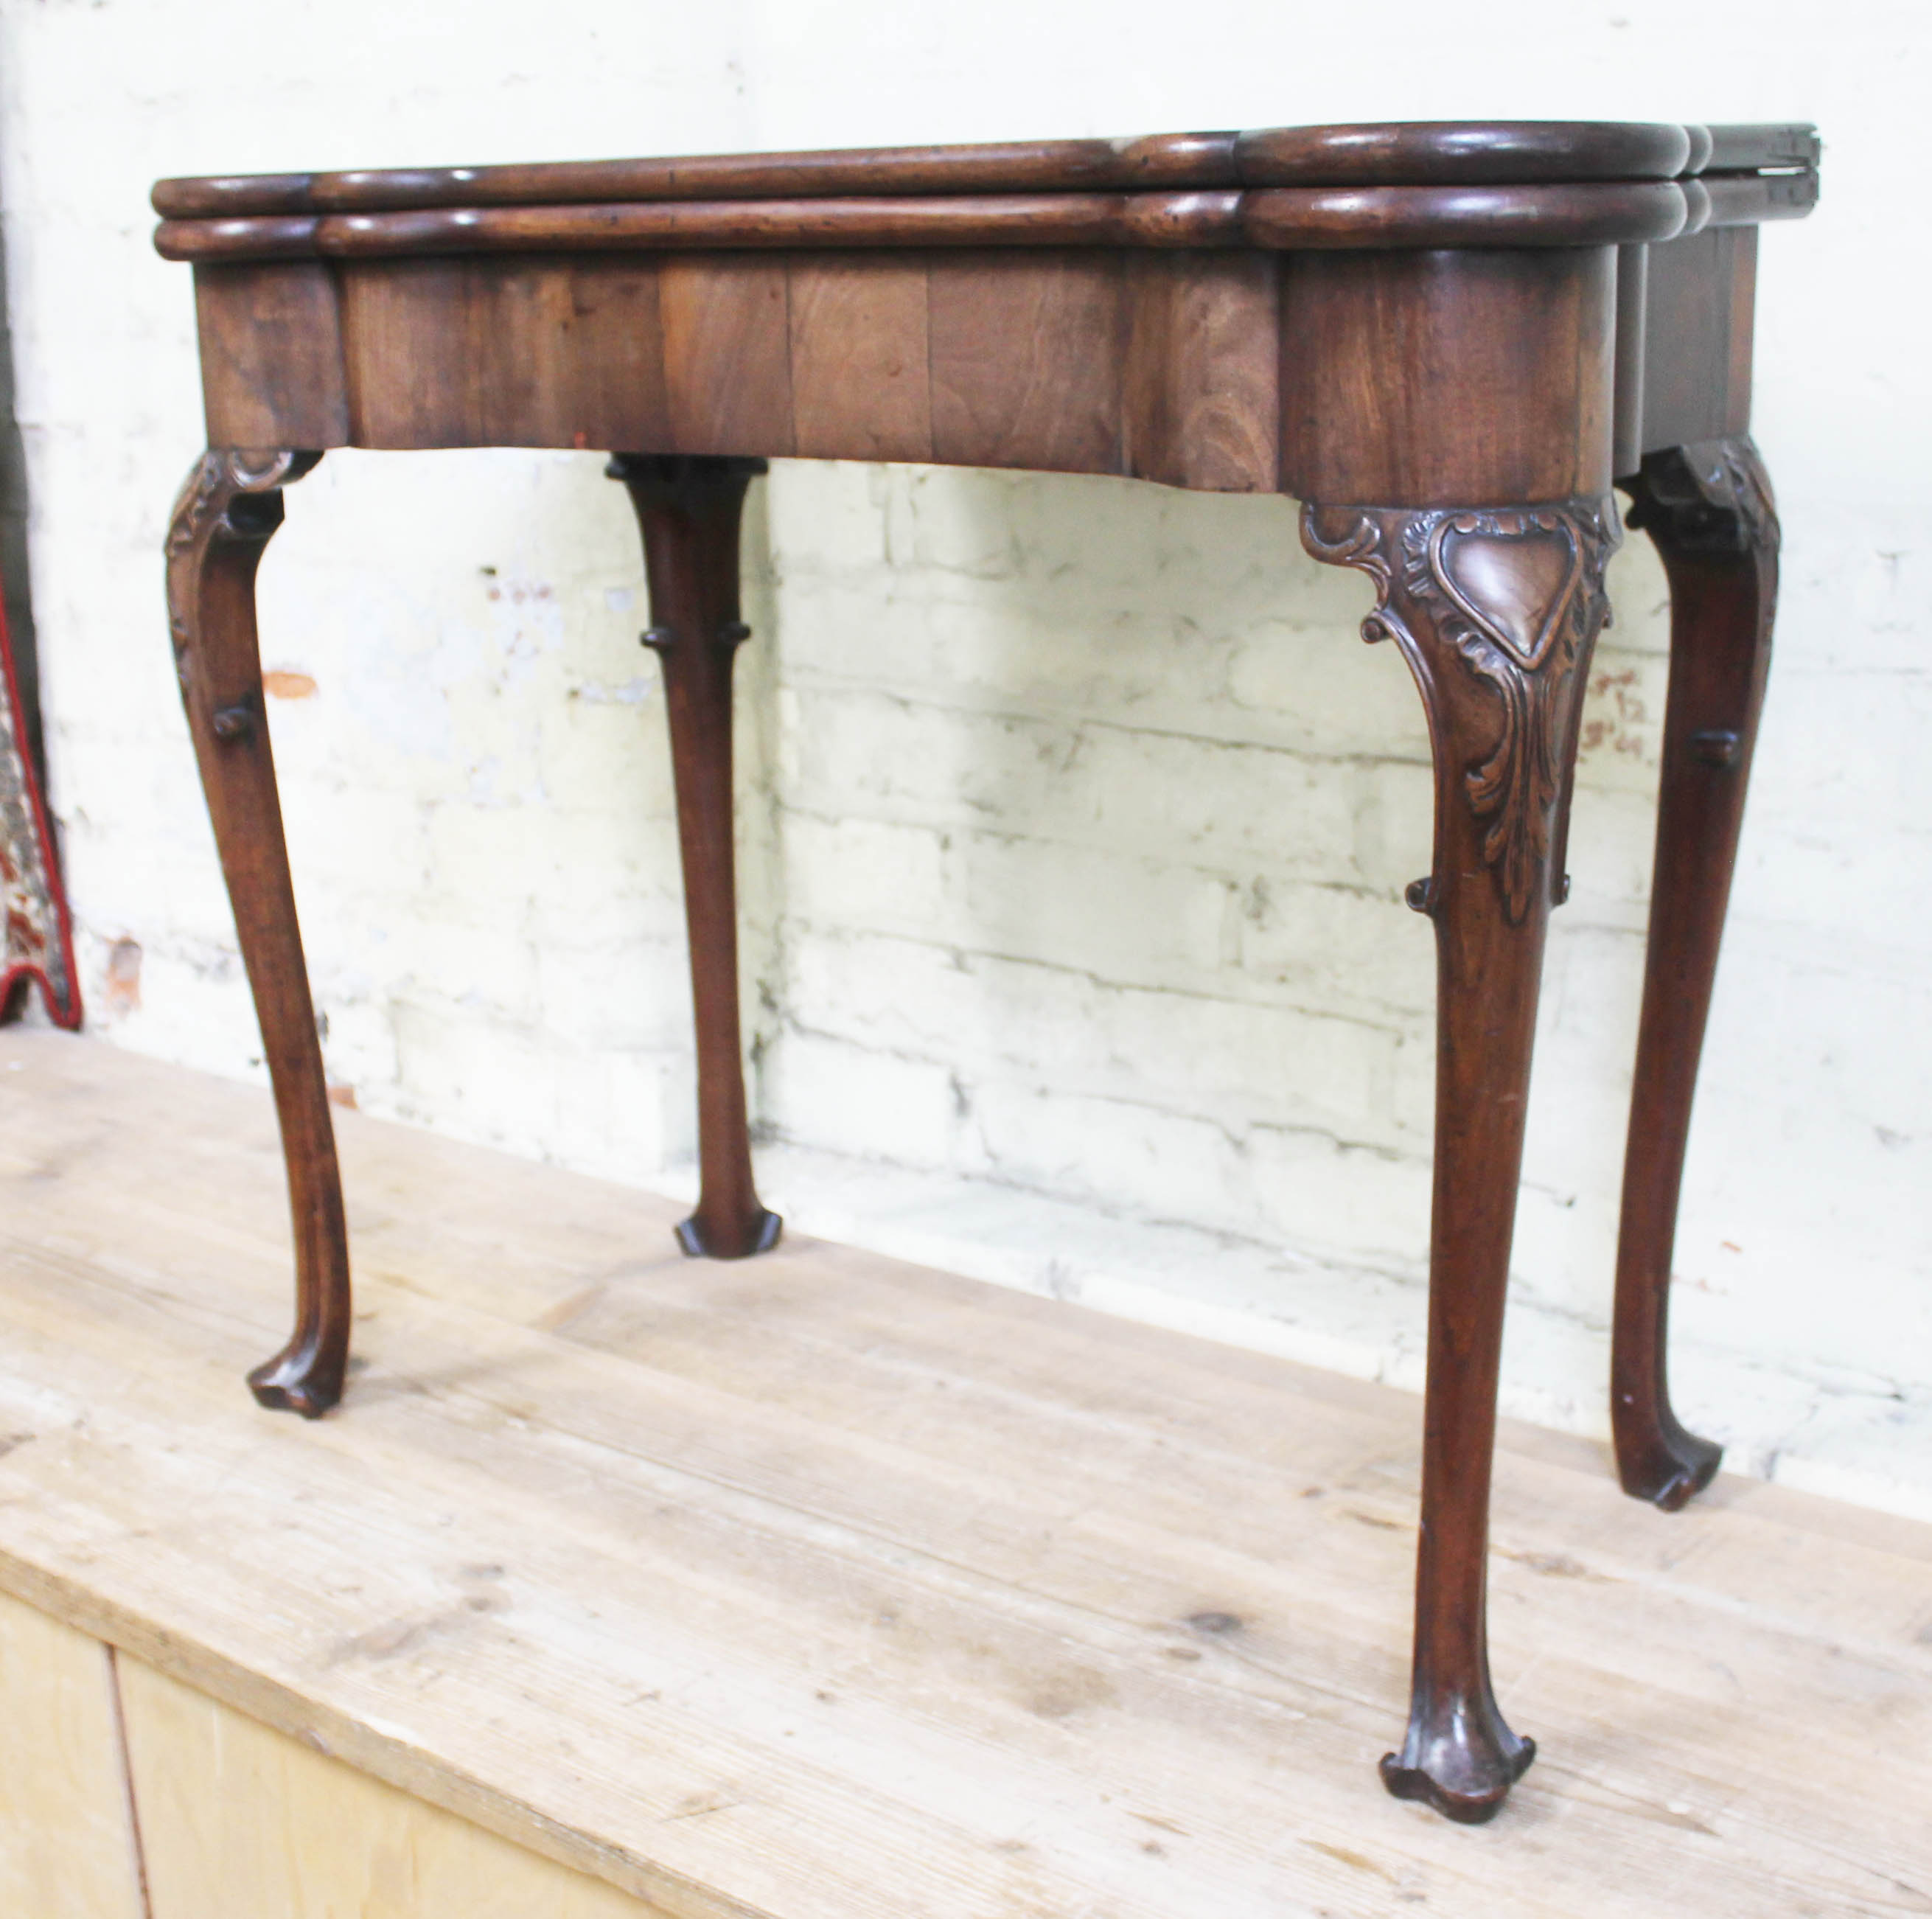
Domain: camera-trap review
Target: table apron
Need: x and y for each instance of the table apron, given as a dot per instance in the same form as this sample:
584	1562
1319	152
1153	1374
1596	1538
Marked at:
1405	377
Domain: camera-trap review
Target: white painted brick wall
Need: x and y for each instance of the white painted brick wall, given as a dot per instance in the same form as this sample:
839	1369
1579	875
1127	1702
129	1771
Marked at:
1074	817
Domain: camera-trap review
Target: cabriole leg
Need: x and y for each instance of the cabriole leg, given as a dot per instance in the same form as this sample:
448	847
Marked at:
226	516
1496	611
689	510
1708	509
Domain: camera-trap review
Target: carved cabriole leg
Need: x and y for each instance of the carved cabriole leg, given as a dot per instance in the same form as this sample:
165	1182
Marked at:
689	510
1708	509
1496	611
227	513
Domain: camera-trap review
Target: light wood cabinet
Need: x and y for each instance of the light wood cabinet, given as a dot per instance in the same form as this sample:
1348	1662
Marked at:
113	1775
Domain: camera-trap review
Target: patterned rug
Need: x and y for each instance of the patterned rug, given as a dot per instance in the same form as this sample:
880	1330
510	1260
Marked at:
36	941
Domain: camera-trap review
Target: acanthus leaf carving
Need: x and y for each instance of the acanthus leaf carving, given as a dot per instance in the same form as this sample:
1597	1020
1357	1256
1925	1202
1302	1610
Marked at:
233	496
1515	595
1710	497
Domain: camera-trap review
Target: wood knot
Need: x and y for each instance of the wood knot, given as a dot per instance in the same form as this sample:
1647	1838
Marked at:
1718	746
233	723
1217	1624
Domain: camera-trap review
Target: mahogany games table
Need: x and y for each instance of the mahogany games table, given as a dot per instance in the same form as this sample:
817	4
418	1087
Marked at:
1449	340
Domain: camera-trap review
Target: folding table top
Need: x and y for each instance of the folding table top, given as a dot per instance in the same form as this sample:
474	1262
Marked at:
1448	182
1420	153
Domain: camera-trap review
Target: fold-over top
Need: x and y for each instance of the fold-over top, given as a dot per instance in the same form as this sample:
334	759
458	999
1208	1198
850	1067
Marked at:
1433	184
1422	153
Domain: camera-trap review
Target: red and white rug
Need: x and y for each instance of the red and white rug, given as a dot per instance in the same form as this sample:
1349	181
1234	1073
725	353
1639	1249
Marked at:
36	939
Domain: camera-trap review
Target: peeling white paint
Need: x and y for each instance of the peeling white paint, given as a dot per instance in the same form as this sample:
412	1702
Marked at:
1074	818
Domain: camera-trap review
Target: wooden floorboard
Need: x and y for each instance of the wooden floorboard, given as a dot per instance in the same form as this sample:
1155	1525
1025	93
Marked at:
822	1587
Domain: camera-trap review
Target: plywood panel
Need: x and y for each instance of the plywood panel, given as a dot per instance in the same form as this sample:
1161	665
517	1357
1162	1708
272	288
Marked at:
67	1843
1028	353
241	1822
860	353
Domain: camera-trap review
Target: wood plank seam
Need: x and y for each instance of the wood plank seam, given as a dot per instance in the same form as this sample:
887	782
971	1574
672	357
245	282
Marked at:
120	1712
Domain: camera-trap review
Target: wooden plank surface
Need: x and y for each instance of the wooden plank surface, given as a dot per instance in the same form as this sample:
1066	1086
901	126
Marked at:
239	1822
824	1587
67	1848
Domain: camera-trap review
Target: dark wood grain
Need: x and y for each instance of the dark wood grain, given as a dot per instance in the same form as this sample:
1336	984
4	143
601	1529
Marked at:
392	353
502	353
727	355
689	512
1462	152
1448	338
830	355
1419	379
1202	381
861	354
1012	167
1027	361
1414	153
271	352
1364	217
252	236
1709	511
606	357
1357	217
995	220
226	516
1496	612
569	359
406	336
